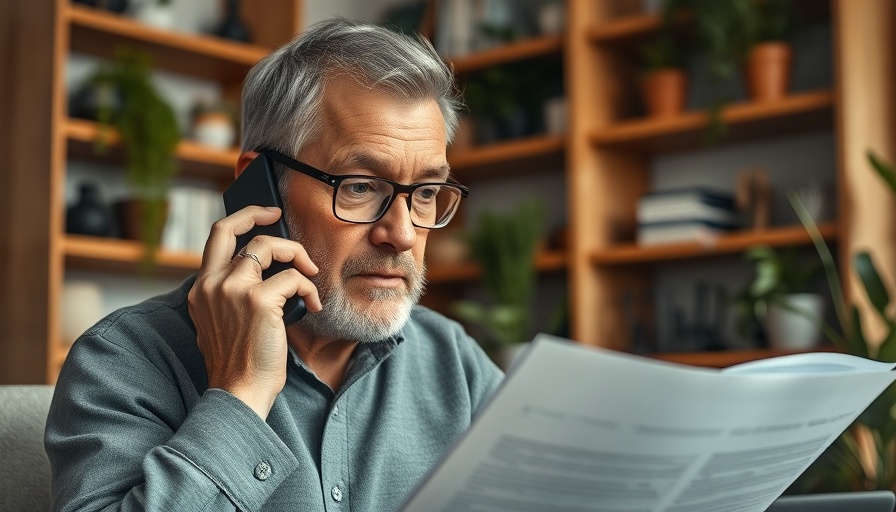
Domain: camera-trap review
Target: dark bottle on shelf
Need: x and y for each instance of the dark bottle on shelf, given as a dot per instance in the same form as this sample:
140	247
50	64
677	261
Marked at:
118	6
233	27
89	216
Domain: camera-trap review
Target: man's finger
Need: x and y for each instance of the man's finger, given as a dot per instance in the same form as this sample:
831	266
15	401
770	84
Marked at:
222	239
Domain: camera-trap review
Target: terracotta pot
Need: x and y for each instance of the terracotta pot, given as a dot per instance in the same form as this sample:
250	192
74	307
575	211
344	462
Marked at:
665	92
131	220
768	71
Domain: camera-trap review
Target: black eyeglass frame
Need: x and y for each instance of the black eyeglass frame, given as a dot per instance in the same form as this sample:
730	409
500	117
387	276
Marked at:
335	180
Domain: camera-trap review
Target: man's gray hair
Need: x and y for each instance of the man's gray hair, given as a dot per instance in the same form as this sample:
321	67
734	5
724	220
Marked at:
281	107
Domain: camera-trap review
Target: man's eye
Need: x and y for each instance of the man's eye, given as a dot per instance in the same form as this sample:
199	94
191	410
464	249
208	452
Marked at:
427	193
359	188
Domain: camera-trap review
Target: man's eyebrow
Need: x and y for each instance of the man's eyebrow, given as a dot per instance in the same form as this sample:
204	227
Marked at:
381	166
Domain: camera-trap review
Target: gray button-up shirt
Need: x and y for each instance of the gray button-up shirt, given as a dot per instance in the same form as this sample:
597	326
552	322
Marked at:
132	423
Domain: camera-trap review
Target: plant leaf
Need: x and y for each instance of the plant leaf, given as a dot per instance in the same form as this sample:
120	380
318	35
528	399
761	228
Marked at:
874	286
887	349
855	338
885	170
827	260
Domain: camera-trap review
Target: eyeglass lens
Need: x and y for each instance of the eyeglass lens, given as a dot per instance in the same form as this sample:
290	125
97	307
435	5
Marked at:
366	200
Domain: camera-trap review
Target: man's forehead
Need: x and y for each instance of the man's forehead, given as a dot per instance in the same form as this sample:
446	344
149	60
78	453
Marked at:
386	167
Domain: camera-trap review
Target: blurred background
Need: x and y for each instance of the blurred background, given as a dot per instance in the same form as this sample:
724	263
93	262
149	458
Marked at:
634	165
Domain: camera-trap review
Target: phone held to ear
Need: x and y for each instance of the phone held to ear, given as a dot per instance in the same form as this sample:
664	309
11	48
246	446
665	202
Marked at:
257	185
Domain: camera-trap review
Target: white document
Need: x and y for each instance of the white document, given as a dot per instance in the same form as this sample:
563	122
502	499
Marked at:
582	429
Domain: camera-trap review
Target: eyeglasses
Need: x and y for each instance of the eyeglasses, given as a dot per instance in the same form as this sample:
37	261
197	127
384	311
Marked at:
365	199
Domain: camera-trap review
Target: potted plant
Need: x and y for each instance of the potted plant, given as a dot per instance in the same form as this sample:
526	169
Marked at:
215	124
155	13
864	456
664	83
505	247
780	297
149	134
730	33
769	58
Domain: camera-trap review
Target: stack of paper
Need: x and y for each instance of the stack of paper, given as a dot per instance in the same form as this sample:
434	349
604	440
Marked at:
685	215
581	429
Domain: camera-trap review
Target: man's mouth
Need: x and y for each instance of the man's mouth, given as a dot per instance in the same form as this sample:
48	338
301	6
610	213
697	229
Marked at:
385	279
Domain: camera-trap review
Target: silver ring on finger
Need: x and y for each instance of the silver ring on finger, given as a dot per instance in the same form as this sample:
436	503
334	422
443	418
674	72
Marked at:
246	254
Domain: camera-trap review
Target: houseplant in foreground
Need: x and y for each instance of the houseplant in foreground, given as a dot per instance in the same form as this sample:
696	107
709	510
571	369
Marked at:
149	133
781	298
864	456
505	246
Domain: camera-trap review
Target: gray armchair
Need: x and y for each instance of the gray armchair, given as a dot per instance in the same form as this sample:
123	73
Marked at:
24	467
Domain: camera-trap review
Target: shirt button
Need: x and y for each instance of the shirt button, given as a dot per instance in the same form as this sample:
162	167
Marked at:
336	492
335	410
262	471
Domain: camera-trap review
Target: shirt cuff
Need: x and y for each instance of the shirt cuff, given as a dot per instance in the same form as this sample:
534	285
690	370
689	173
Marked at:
231	444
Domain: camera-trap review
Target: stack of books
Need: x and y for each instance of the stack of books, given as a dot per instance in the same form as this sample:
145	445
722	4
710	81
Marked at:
685	215
191	212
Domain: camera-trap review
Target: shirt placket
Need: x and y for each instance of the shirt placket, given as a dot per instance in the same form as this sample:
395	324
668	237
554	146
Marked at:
334	458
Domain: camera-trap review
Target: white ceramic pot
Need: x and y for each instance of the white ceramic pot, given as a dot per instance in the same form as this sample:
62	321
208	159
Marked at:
788	330
155	15
82	306
555	115
215	131
552	18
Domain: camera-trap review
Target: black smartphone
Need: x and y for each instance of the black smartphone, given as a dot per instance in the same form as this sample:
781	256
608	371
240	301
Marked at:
257	185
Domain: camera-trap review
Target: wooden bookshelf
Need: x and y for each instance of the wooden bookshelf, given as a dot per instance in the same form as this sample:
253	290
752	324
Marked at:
520	50
728	358
627	254
110	254
520	156
98	32
194	159
441	274
744	121
627	31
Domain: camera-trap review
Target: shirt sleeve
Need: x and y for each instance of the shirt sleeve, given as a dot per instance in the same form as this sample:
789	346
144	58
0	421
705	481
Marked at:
122	435
483	375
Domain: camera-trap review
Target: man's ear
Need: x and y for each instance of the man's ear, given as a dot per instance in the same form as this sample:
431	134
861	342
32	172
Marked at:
244	161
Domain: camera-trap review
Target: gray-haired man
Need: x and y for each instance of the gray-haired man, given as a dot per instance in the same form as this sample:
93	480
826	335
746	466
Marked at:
202	399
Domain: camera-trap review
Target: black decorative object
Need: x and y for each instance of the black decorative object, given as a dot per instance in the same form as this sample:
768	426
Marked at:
233	27
89	99
118	6
89	216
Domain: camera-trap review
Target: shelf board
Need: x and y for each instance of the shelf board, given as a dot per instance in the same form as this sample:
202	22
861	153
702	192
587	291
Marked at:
724	359
532	154
109	254
194	159
98	32
744	121
627	254
442	274
512	52
626	30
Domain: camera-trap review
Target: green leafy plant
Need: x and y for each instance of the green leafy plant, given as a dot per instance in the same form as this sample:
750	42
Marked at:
864	456
663	51
149	133
725	31
768	20
779	273
505	246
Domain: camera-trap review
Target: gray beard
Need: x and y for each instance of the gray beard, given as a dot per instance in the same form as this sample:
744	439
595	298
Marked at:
389	309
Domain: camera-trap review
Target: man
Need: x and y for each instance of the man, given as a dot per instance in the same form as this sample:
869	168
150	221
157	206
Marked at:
202	399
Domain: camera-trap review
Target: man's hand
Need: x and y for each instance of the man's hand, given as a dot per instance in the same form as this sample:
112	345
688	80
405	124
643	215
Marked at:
239	317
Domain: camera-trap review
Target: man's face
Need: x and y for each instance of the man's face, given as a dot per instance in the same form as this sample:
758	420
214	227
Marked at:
370	274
